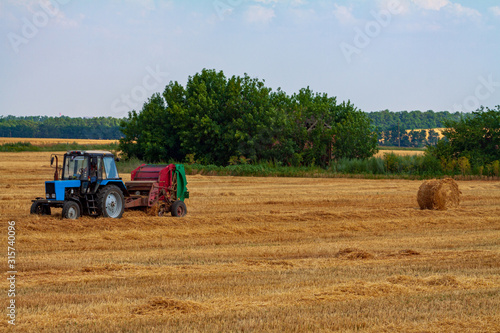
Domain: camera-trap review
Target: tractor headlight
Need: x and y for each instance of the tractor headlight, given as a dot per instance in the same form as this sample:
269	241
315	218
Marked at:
47	195
53	195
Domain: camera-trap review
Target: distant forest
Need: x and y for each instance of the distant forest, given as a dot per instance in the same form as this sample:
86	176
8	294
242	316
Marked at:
393	127
398	128
60	127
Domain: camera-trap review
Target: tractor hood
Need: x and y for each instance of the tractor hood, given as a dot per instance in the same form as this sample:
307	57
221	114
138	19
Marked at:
55	189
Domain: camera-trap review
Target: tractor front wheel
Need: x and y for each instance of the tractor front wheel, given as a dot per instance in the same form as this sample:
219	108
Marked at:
71	210
39	209
111	202
178	209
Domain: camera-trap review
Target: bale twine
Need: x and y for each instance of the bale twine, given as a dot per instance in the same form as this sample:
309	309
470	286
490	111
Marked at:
438	194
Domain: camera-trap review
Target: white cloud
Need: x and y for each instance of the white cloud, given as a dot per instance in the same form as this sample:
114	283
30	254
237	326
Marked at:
431	4
461	11
290	2
146	4
53	9
451	8
28	5
60	18
401	6
259	15
344	15
495	10
266	1
296	3
302	15
404	5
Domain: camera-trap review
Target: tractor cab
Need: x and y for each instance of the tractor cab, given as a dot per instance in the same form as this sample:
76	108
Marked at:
89	166
87	170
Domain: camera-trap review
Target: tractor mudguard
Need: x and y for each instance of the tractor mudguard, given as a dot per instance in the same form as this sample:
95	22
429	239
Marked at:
118	183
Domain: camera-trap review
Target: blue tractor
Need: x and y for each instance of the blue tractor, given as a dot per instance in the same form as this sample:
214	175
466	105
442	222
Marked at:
89	185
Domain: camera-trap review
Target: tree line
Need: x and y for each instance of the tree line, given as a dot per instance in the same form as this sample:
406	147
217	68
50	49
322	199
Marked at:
470	147
393	128
60	127
404	129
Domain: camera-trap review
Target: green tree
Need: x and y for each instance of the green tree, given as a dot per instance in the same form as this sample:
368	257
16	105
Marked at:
433	137
150	134
216	120
475	136
354	136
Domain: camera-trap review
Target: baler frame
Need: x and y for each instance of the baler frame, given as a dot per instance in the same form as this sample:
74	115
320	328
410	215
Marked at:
158	187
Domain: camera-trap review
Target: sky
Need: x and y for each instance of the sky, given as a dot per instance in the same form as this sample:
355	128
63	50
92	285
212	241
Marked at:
104	58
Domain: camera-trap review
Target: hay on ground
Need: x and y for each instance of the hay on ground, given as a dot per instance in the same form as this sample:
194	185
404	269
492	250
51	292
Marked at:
438	194
161	305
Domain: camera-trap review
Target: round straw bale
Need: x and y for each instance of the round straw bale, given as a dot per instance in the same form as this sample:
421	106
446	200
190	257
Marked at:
438	194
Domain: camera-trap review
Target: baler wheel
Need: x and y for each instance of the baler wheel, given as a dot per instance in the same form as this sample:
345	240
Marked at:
178	209
111	202
71	210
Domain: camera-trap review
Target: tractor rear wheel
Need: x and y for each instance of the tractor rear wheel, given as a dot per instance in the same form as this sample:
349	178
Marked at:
71	210
39	209
178	209
111	202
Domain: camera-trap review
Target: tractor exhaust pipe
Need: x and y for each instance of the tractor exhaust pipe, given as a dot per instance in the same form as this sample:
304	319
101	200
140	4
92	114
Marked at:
56	172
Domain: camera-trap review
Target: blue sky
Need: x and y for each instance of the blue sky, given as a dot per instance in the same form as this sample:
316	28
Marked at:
93	58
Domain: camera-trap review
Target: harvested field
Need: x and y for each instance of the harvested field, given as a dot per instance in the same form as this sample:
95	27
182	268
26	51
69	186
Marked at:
401	152
439	132
260	255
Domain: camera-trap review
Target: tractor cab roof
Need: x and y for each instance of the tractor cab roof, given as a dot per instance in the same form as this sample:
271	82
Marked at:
89	152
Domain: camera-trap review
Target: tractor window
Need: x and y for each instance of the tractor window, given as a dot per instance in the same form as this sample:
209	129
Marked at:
110	166
75	167
100	168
